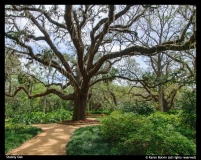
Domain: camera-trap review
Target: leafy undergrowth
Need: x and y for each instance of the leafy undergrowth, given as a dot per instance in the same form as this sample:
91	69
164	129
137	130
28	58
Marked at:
17	134
133	134
87	141
40	117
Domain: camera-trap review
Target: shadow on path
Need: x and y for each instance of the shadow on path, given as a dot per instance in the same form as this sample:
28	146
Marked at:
51	141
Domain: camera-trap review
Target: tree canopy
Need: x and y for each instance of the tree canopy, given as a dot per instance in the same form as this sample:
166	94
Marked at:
82	43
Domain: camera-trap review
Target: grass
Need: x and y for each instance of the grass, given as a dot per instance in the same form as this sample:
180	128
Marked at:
17	134
87	141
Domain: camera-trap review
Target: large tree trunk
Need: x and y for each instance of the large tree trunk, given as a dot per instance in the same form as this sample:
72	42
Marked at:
80	106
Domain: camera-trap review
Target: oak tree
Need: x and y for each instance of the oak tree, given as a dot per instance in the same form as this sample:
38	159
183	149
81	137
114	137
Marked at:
90	33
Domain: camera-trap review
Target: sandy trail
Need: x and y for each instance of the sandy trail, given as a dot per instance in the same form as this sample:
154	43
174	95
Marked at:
51	141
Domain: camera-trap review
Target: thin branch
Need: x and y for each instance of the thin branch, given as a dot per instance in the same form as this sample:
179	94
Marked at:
25	8
139	50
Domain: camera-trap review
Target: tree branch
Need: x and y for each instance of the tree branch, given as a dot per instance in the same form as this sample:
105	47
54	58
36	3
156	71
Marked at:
60	69
76	37
25	8
139	50
47	92
184	31
107	21
48	40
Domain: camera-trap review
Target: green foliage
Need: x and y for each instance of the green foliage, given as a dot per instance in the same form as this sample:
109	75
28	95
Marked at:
99	112
134	134
26	79
187	132
142	108
40	117
111	73
163	141
17	133
188	105
174	112
162	119
157	134
118	125
87	141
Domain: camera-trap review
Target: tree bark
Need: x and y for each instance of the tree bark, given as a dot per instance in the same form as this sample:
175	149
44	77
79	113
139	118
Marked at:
166	108
80	106
10	83
29	100
163	104
160	98
45	104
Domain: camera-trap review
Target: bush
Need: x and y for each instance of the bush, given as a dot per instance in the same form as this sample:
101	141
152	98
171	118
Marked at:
118	126
40	117
157	134
142	108
162	119
188	105
187	132
162	141
99	112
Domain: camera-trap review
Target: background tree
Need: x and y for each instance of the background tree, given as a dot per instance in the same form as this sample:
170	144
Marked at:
169	70
87	32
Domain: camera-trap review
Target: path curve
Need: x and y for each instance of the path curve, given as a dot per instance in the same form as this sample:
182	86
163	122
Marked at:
51	141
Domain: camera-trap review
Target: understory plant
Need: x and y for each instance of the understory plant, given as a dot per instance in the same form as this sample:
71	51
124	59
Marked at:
157	134
18	133
40	117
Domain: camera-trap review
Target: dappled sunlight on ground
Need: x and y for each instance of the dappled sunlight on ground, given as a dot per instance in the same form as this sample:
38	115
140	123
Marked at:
51	141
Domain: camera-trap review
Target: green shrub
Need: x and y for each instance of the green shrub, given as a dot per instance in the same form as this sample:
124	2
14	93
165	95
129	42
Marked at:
188	105
187	132
162	119
117	126
162	141
157	134
99	112
175	111
142	108
40	117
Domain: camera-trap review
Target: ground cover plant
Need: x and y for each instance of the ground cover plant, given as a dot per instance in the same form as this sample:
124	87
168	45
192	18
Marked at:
87	141
17	133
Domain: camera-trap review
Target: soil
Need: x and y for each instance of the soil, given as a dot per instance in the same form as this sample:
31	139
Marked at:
80	122
52	140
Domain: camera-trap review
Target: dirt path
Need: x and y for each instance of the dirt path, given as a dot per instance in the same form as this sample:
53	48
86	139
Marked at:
51	141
